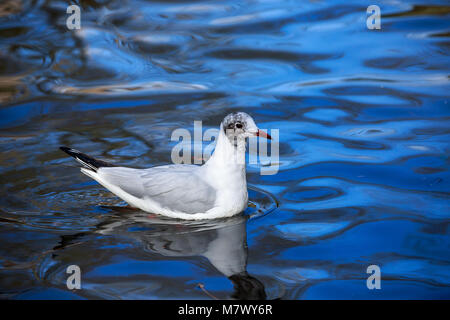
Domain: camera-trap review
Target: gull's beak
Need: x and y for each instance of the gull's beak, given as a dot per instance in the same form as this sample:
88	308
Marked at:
260	133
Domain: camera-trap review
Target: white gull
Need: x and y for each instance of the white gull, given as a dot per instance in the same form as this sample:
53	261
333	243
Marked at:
216	189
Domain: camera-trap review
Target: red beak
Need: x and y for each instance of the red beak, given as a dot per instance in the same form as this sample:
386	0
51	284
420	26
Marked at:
263	134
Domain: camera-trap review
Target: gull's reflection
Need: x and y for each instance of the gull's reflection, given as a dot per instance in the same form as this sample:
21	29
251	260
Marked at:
223	242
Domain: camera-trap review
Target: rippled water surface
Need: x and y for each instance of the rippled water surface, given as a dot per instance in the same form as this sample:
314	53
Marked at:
364	147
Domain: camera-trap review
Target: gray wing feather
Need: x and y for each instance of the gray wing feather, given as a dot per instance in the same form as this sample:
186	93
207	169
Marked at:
176	187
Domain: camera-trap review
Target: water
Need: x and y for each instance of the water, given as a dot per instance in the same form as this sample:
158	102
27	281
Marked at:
364	167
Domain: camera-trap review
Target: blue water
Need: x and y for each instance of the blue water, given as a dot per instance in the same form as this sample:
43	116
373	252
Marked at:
363	117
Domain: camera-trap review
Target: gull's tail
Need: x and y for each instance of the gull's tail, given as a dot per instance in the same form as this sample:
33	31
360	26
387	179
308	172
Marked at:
87	161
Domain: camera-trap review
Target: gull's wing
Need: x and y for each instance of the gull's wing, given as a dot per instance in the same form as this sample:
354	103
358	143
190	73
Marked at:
175	187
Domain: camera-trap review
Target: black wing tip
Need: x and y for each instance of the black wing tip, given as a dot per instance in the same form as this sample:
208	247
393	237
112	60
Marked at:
85	160
68	150
71	152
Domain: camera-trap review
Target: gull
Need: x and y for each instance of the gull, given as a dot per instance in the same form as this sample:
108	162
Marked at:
216	189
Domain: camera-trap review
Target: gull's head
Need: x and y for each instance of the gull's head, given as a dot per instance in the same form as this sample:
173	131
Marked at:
239	125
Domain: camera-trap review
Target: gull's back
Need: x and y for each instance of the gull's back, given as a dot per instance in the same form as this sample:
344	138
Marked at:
177	188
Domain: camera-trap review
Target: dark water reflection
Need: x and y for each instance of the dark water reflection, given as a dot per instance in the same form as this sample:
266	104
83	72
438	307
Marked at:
364	167
222	243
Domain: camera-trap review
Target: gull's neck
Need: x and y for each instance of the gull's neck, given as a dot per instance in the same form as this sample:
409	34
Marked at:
227	154
225	170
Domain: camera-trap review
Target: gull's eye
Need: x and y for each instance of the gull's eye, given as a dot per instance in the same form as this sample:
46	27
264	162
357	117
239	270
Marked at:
239	125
